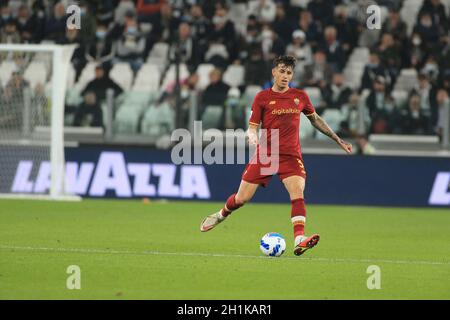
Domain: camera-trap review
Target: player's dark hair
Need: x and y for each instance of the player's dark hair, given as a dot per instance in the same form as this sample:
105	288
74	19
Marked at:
288	61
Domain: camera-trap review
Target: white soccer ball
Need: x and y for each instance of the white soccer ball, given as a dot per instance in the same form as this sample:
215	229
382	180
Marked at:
272	244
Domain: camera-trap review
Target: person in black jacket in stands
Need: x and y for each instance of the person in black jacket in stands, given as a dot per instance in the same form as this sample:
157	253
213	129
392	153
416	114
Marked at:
102	83
215	94
89	113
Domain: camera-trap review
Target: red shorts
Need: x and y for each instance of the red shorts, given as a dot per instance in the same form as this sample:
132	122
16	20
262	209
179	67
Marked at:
258	173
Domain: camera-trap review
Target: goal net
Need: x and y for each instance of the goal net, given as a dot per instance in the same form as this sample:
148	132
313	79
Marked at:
32	92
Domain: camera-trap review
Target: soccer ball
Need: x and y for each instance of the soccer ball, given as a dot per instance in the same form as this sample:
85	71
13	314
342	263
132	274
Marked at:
272	244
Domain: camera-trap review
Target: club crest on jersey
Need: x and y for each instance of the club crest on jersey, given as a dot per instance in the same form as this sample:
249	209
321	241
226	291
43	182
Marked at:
272	102
296	101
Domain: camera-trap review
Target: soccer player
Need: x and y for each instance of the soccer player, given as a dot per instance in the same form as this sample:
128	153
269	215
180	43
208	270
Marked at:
278	110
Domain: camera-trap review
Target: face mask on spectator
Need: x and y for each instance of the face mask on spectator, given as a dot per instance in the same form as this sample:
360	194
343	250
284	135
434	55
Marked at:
219	20
131	30
416	41
100	34
233	101
431	69
5	16
83	11
266	34
184	94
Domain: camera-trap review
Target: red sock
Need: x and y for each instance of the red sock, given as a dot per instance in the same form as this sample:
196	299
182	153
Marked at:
298	216
230	206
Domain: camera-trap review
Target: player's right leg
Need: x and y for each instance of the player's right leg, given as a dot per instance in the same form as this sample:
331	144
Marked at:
234	202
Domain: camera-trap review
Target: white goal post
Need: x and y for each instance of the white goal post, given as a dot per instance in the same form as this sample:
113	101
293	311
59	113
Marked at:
15	134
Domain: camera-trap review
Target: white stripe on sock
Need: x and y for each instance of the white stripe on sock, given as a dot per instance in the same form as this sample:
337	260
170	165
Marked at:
298	218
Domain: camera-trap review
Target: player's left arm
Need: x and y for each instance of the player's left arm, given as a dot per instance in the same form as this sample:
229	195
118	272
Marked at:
323	127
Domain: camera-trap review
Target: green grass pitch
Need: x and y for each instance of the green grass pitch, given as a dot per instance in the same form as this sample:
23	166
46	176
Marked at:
137	250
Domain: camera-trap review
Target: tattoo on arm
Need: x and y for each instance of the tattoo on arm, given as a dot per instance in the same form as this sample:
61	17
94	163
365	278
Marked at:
322	126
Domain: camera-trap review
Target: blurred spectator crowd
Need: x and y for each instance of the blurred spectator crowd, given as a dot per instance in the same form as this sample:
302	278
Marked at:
394	80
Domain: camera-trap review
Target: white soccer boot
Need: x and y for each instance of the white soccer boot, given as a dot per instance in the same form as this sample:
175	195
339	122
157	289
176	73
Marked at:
211	221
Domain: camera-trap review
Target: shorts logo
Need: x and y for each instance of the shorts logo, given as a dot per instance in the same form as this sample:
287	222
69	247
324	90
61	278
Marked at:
302	167
296	101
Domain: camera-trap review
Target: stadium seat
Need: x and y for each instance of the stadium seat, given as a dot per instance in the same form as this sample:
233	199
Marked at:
35	73
400	97
71	76
356	65
43	56
306	128
147	78
250	92
203	71
104	107
314	95
248	112
361	52
238	16
447	6
300	3
384	14
160	49
169	77
139	99
6	69
126	120
369	37
409	12
143	86
159	55
73	96
353	77
234	75
158	120
216	49
334	118
122	74
145	27
407	80
211	117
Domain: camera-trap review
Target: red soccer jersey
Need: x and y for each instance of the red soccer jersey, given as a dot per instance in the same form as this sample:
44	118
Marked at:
281	111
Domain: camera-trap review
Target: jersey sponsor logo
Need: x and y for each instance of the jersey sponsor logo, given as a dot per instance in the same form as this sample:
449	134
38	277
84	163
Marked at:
279	112
112	173
440	194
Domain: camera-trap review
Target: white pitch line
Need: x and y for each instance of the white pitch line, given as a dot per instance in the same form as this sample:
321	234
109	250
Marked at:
220	255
